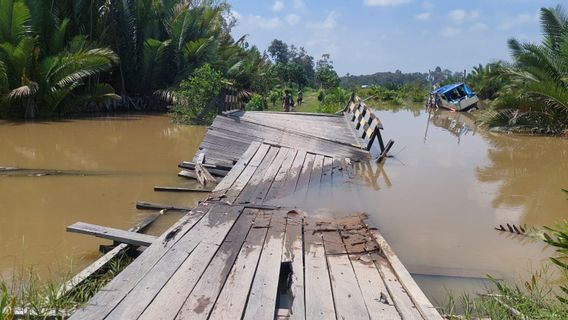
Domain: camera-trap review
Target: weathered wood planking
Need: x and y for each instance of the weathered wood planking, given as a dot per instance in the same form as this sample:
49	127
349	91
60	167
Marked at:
232	300
347	296
105	300
293	254
122	236
211	230
263	293
318	293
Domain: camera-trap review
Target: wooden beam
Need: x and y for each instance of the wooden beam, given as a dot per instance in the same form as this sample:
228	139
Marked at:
143	205
180	189
118	235
385	152
203	176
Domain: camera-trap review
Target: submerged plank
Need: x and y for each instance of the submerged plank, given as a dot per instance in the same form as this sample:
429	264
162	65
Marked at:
122	236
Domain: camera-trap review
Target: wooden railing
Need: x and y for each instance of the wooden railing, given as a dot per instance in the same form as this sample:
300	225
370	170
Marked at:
229	100
367	124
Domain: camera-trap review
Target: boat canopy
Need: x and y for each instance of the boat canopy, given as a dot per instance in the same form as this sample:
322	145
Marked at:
450	87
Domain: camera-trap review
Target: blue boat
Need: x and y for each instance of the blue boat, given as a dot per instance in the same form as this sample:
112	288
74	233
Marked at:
455	97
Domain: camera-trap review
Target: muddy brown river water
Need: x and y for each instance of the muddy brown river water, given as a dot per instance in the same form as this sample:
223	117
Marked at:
436	202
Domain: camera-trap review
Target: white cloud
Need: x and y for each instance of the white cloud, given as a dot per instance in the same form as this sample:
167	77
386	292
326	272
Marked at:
298	4
256	21
292	19
461	16
385	3
329	23
479	27
450	31
424	16
524	18
278	6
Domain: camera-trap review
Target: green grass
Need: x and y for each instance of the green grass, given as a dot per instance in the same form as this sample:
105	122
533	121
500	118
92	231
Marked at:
38	297
310	103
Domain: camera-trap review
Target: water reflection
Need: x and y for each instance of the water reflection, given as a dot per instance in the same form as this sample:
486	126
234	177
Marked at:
449	185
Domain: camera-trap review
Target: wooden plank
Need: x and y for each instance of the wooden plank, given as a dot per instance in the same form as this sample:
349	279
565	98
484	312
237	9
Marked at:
318	292
210	168
326	177
292	177
347	296
315	177
233	298
251	184
200	158
122	236
107	298
375	294
203	176
420	300
304	178
264	290
191	165
199	275
211	230
248	172
385	151
401	300
144	205
187	174
238	168
280	178
268	177
180	189
293	254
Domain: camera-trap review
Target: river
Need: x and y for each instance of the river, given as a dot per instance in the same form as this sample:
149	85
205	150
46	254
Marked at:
436	201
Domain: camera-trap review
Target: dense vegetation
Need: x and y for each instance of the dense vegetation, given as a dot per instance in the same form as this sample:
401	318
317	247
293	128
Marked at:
531	93
65	56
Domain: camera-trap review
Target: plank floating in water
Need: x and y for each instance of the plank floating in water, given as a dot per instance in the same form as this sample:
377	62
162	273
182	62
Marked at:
118	235
191	165
28	172
187	174
211	168
143	205
203	176
180	189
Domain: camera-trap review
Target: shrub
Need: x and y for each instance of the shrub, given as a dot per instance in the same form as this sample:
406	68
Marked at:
197	98
256	103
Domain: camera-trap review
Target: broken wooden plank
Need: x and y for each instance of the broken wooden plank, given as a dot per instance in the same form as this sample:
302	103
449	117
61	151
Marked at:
105	300
264	290
385	152
180	189
293	254
203	176
232	300
239	167
123	236
187	174
143	205
191	165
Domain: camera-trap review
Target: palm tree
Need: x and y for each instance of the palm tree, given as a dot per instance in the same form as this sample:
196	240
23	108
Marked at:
536	95
46	77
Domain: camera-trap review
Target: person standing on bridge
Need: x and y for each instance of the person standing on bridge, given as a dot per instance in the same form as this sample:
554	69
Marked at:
288	101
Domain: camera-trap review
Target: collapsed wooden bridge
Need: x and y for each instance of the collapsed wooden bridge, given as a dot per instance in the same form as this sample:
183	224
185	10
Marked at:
252	250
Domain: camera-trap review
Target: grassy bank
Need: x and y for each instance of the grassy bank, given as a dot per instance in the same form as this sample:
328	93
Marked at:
28	296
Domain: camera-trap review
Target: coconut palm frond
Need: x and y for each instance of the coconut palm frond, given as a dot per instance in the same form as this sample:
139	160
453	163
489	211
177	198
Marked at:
25	91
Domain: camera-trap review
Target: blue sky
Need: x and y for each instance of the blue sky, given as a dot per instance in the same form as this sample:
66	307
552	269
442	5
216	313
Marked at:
368	36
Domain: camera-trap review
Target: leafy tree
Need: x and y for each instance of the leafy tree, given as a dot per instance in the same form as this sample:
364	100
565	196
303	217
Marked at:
279	52
326	76
535	97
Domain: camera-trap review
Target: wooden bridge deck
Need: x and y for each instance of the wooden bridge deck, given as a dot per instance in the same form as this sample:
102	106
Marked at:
251	251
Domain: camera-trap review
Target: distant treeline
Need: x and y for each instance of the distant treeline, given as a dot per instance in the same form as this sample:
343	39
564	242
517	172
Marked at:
397	79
